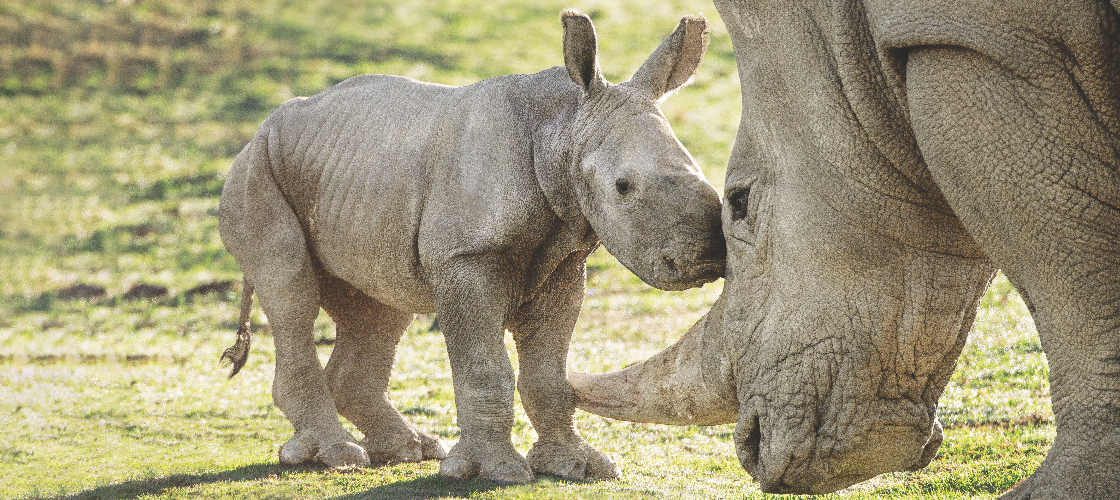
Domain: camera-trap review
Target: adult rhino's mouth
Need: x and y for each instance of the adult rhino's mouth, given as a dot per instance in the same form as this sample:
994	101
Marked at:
771	474
748	437
886	446
777	477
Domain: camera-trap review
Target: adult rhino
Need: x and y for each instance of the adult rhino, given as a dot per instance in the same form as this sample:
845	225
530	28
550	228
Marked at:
383	197
891	156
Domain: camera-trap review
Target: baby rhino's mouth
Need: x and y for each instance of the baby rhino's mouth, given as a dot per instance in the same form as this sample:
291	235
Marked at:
691	268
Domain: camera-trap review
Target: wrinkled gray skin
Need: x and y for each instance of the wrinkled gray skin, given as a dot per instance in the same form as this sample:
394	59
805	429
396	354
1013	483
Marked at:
383	197
891	156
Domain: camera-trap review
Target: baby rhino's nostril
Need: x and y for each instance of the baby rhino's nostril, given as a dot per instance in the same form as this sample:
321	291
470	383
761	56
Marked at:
672	264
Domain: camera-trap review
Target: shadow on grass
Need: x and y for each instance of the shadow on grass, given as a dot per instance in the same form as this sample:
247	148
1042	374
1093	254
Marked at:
157	485
432	486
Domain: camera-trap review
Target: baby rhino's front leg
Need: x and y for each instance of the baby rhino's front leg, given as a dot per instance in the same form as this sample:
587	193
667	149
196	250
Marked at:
543	329
472	298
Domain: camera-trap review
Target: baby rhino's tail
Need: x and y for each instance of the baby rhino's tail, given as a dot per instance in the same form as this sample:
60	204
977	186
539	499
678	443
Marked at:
239	352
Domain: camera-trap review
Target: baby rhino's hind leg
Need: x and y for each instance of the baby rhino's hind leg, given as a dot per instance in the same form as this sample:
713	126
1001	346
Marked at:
359	369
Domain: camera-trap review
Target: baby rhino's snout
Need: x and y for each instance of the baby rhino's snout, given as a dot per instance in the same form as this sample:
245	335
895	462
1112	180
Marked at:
694	264
695	252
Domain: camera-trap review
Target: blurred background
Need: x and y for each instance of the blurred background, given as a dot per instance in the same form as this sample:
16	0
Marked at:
118	119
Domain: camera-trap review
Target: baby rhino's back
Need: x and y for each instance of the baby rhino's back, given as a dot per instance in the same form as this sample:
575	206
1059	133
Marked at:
364	160
355	170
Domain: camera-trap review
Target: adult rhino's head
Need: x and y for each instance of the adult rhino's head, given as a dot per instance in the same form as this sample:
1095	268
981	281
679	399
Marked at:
850	283
638	187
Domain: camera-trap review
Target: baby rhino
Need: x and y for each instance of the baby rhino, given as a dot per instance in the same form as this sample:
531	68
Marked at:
383	197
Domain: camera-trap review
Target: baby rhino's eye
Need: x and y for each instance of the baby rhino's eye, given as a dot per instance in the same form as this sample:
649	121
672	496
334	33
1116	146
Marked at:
622	186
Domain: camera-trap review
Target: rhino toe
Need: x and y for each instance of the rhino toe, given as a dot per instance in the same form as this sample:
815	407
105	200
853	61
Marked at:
343	454
506	472
458	468
501	463
298	450
575	461
432	447
602	467
305	449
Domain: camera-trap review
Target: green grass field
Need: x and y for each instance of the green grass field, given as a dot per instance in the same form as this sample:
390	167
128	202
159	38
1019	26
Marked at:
118	120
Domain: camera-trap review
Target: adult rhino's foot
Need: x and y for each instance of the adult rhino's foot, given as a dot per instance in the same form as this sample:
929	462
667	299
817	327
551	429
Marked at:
1087	471
304	449
1033	488
576	460
415	446
494	461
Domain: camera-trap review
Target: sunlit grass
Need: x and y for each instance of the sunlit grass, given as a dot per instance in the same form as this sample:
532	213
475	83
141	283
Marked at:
1002	376
130	398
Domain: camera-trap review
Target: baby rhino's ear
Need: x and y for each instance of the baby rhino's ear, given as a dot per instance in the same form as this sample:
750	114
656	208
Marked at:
580	51
674	62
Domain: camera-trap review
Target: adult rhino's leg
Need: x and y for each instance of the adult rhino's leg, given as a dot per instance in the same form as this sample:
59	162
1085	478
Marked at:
543	329
262	233
359	370
472	301
1033	172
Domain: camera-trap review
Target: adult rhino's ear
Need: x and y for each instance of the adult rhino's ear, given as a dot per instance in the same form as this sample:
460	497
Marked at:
674	62
580	51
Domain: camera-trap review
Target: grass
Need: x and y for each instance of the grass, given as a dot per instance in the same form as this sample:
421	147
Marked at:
118	120
130	401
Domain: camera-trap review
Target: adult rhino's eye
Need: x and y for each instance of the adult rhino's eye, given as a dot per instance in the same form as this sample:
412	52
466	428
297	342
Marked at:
622	186
738	199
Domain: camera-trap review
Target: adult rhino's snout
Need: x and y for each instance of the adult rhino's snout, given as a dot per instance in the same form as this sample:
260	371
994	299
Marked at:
775	457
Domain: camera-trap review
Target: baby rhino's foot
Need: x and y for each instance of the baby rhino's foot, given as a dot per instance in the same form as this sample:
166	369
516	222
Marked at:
498	462
577	460
306	449
415	446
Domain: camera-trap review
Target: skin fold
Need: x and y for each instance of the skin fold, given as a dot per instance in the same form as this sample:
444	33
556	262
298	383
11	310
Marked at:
891	156
383	197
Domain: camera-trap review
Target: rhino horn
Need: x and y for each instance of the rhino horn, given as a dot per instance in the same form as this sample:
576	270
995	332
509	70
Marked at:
689	383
